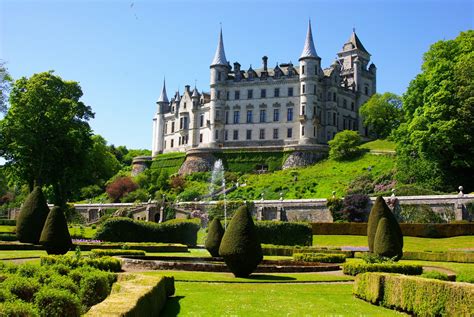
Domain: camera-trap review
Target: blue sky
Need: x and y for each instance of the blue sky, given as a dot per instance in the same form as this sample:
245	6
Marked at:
119	51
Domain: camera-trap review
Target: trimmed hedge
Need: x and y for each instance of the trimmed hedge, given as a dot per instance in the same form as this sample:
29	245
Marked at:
112	252
214	237
422	230
435	275
32	217
319	257
283	250
57	303
8	237
144	246
128	230
450	256
104	263
55	236
146	296
418	296
284	233
18	308
247	162
358	268
7	222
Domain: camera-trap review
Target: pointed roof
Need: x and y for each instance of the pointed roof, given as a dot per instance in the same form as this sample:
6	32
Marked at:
163	96
195	92
309	50
177	96
356	43
219	57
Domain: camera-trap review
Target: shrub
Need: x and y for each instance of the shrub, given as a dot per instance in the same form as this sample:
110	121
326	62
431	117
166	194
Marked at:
22	287
354	207
104	263
137	195
240	246
94	288
380	210
450	256
435	275
419	214
57	303
5	295
112	252
32	217
18	309
128	230
284	250
386	242
145	246
55	235
214	237
120	187
63	283
466	277
335	206
319	257
8	237
358	268
418	296
345	145
284	233
7	222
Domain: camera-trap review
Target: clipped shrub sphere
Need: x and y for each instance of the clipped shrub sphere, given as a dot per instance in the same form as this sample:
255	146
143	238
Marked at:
386	240
214	237
55	236
240	246
32	217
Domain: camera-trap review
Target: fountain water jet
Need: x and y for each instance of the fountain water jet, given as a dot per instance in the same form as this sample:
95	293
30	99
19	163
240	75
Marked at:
218	179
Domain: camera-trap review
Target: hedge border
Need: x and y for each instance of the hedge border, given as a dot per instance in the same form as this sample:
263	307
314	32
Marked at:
319	257
145	246
7	222
416	295
449	256
283	250
360	268
146	296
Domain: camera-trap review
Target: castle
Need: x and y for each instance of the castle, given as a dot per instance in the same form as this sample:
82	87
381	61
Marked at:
286	107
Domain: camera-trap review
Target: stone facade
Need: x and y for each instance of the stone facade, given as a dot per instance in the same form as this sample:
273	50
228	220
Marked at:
283	106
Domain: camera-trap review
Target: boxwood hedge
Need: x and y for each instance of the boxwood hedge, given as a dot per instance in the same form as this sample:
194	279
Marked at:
319	257
358	268
284	233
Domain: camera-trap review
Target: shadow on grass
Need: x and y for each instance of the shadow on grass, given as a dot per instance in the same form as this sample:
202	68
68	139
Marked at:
172	306
264	277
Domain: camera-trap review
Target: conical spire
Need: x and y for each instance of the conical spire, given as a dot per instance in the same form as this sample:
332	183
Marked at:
356	43
163	96
195	92
219	57
309	50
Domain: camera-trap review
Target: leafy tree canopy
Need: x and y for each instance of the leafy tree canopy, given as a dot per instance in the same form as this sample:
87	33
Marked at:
5	82
435	145
382	113
345	145
45	136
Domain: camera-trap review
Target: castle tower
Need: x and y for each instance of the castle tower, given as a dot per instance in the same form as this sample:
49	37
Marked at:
310	69
159	123
194	126
219	71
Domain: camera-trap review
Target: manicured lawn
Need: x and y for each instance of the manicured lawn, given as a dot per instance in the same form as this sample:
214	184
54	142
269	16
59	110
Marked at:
4	229
410	243
18	254
379	145
245	299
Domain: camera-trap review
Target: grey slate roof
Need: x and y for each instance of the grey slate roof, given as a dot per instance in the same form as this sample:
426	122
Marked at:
163	96
219	57
356	43
308	49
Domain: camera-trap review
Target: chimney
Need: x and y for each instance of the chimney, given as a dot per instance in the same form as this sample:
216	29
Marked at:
236	67
187	88
265	60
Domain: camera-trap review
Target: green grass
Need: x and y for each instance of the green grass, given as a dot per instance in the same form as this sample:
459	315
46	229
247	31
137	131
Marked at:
379	145
316	181
244	299
7	229
410	243
19	254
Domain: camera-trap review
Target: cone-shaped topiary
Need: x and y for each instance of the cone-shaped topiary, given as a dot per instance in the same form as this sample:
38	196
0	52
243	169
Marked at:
55	236
214	237
240	246
378	211
32	216
386	240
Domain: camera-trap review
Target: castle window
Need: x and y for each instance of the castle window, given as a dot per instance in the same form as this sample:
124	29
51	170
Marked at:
172	128
226	135
366	90
344	124
236	117
217	135
201	120
250	94
263	93
227	117
276	115
277	92
184	105
263	115
334	118
344	103
314	89
289	133
275	134
180	123
172	143
236	134
302	69
316	69
164	145
303	88
237	95
314	131
334	96
329	96
219	76
352	106
249	116
227	95
289	114
290	91
185	123
166	128
303	110
262	134
218	94
249	134
302	130
200	138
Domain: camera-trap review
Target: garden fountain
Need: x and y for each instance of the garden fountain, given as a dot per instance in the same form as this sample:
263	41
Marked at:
218	179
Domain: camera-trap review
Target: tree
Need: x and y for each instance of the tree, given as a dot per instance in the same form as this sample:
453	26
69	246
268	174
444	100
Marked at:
5	82
240	246
345	145
55	235
32	217
120	187
45	136
435	144
382	113
214	237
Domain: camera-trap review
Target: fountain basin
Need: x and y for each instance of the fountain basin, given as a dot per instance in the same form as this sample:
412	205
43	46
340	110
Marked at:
209	264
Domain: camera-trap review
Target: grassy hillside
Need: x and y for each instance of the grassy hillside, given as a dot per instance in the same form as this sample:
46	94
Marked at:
317	181
379	145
